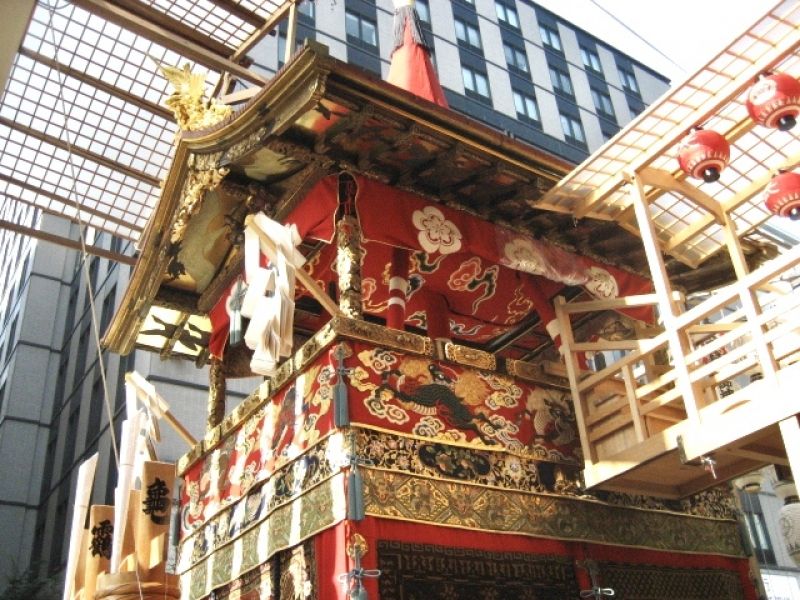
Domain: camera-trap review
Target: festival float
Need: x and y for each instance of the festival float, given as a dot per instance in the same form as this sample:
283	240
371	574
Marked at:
481	375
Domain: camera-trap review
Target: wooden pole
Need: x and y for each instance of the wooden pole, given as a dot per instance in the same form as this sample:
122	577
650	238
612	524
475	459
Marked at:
153	400
83	492
98	555
291	33
678	344
216	394
152	518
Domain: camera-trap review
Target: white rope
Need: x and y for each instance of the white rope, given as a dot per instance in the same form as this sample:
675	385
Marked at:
634	32
82	237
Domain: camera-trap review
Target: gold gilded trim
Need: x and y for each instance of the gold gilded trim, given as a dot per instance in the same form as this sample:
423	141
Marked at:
455	504
382	336
534	374
470	357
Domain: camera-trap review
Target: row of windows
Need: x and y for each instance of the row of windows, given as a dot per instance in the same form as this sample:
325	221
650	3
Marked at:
476	85
363	32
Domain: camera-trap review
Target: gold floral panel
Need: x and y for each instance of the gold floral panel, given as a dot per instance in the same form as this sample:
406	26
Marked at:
410	498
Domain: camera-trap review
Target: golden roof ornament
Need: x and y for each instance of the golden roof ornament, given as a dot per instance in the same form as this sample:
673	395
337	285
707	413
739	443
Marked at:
192	111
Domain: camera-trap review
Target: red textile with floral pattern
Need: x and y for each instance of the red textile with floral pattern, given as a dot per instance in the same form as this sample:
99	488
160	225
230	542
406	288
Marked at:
296	418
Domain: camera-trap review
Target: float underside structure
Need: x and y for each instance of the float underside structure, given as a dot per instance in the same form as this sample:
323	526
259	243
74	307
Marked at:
482	374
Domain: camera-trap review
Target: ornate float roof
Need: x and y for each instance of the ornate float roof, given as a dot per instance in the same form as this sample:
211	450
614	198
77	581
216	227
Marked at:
320	116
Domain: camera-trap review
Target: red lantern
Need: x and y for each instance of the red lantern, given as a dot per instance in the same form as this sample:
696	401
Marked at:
703	154
782	195
774	101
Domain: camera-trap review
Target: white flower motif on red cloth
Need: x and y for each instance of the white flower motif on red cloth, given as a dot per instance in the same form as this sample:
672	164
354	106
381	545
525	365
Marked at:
601	283
520	254
436	234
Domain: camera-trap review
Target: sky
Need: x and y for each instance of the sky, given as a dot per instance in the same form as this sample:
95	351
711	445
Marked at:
690	32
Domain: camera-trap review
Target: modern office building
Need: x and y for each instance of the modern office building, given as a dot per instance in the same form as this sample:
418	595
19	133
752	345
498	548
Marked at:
53	392
513	65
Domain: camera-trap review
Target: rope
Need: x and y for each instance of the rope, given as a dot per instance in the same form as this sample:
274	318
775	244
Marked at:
634	32
89	291
82	238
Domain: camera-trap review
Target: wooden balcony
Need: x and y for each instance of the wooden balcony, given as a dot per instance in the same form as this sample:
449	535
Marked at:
653	421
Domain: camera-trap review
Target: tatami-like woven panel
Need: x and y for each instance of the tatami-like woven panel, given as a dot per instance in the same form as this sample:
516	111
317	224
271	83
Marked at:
714	99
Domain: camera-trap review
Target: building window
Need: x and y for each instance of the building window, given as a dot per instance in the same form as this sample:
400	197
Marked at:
516	59
108	309
360	30
306	8
550	38
757	528
527	109
507	14
591	60
468	35
573	130
602	102
561	82
476	84
629	81
424	11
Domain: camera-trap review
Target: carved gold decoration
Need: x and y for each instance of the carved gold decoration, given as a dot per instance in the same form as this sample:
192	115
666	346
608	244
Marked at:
565	484
204	162
283	374
717	502
216	394
211	439
382	336
470	357
357	547
245	145
187	102
348	266
197	184
534	373
399	496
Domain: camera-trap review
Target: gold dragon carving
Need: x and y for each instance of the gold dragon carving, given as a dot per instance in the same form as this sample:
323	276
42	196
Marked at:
187	102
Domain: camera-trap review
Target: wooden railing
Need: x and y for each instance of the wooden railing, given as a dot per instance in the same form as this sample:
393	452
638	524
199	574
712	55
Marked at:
639	396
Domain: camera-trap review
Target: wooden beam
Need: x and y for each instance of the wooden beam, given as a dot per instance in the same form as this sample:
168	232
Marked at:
291	33
67	204
269	24
565	329
178	28
790	432
666	181
156	32
83	77
82	152
66	242
742	196
668	309
241	12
